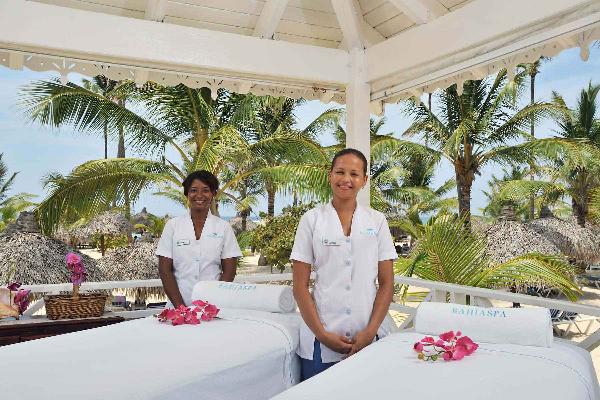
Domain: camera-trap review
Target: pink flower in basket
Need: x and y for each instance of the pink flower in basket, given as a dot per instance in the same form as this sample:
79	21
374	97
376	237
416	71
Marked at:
75	266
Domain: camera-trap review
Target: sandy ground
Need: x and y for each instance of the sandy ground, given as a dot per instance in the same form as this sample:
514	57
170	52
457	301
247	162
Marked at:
591	296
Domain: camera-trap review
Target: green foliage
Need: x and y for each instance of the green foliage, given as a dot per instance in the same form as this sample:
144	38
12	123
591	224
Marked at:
448	252
275	239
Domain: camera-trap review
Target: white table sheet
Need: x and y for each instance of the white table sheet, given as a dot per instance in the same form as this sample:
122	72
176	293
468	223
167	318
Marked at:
389	369
249	355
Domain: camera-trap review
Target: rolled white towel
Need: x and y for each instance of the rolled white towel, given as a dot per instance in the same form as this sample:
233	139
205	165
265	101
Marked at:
249	296
524	326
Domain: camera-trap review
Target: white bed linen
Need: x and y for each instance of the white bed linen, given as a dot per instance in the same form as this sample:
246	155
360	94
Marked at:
246	355
389	369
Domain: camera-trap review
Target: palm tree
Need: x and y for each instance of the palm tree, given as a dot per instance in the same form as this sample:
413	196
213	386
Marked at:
496	201
475	127
203	132
447	251
275	116
96	107
399	172
532	70
5	184
581	123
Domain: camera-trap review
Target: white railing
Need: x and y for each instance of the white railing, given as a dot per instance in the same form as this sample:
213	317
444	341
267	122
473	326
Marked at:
439	291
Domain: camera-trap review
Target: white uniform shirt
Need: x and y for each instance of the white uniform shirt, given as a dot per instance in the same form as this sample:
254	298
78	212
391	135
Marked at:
197	260
346	269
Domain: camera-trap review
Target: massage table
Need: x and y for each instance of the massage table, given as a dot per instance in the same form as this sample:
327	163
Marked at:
389	369
243	355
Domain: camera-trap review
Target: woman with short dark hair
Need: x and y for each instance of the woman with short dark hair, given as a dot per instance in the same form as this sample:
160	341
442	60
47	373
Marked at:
351	250
198	246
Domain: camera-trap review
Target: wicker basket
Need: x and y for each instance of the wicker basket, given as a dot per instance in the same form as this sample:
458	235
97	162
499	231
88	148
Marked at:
86	305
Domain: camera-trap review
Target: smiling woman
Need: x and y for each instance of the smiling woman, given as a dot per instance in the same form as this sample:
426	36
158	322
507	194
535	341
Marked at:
198	246
350	247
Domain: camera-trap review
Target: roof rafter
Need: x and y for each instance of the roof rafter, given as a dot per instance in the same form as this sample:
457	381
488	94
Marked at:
348	18
420	11
183	50
269	18
495	32
156	10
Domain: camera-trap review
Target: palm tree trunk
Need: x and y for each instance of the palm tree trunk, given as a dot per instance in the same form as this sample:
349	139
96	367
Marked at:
271	201
244	221
532	75
105	140
579	207
121	154
464	182
102	245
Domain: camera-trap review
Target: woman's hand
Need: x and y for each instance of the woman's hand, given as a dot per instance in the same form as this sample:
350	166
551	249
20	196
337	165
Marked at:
337	343
361	340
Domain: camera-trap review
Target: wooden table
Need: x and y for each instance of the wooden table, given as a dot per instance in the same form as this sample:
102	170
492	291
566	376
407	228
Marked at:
37	327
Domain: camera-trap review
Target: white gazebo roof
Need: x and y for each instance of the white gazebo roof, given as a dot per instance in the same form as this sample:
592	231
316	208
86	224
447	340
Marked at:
296	48
363	53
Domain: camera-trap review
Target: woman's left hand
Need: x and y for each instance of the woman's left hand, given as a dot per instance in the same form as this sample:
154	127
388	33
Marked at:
361	340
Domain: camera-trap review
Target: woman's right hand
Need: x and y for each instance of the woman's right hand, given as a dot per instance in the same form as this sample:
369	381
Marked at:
338	343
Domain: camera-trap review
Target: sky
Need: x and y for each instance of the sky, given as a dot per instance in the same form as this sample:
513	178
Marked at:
34	151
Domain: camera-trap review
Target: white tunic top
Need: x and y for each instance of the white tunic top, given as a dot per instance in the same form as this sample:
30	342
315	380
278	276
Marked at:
346	269
197	260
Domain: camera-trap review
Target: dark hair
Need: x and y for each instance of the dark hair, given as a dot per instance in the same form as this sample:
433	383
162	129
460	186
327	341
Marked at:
203	176
355	153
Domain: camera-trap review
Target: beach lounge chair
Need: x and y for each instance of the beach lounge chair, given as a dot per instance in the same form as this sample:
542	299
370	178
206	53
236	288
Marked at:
570	319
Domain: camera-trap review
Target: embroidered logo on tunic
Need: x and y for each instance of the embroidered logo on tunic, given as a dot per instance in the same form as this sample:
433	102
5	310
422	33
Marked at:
183	242
214	235
369	232
330	242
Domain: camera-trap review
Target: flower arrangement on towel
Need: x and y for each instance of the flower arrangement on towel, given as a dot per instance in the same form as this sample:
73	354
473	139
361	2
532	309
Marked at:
201	311
450	347
78	272
13	300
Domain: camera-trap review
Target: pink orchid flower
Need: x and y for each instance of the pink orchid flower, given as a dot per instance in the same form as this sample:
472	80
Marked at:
467	344
211	310
450	347
73	258
199	303
189	315
458	353
13	287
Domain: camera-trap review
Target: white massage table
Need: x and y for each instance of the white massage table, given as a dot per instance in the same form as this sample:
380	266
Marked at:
389	369
248	355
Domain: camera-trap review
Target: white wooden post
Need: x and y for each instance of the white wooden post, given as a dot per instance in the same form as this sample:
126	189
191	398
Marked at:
358	92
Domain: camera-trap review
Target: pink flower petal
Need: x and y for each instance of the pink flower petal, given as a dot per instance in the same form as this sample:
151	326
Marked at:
447	336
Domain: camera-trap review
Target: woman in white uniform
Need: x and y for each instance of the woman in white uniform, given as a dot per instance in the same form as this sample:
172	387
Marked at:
350	248
198	246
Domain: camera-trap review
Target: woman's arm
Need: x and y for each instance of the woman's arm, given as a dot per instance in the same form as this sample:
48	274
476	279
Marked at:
308	310
381	305
165	270
229	268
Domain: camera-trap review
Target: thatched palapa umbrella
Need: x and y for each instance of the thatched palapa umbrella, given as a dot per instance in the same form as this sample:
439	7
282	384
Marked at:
31	258
109	223
236	225
132	262
508	238
576	242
